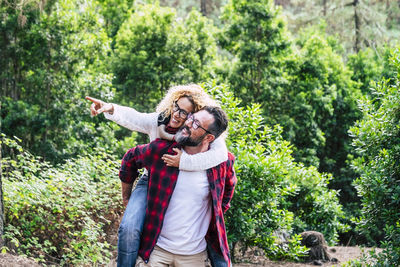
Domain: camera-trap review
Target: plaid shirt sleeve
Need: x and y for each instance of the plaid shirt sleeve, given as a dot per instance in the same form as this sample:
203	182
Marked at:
230	183
133	160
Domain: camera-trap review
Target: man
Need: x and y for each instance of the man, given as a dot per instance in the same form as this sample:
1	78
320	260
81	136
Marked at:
184	212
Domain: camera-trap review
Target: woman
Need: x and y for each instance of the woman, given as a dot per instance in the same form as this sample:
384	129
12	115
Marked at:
170	115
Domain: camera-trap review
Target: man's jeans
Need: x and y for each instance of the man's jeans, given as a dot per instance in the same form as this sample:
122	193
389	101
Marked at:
131	225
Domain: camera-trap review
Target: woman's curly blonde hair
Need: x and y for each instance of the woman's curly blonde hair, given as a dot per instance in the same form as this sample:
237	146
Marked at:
193	92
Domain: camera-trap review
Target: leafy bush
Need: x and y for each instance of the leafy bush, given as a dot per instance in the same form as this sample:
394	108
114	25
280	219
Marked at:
376	138
60	214
274	194
370	65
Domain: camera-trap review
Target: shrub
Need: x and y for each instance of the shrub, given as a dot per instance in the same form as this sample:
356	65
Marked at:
60	213
376	138
274	195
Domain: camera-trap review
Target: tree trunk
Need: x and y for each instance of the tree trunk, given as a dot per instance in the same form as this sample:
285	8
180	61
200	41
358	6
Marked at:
398	19
203	7
357	24
325	7
1	199
233	251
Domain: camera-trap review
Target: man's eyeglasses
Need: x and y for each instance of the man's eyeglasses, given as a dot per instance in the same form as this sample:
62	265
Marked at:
196	123
182	113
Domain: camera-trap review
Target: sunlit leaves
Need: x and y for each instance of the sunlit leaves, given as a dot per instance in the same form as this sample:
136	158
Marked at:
61	212
376	138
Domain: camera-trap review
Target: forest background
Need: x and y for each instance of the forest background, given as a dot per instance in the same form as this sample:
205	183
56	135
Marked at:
311	89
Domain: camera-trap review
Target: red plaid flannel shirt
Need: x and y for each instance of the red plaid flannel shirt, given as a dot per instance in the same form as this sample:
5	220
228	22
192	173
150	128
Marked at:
162	181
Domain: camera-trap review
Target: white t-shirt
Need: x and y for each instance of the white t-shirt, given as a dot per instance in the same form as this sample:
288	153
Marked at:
188	215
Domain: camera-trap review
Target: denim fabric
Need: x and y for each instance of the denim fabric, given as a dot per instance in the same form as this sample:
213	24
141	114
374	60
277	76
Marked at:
216	259
131	225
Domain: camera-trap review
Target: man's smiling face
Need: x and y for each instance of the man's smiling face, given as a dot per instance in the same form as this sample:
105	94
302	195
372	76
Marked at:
195	129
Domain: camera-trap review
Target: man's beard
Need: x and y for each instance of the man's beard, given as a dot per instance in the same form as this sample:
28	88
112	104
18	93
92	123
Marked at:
187	140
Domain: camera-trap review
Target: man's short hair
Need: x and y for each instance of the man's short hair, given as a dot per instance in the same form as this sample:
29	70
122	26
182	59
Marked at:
220	120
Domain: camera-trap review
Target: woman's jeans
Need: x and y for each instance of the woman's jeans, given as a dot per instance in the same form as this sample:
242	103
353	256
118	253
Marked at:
216	259
131	228
131	225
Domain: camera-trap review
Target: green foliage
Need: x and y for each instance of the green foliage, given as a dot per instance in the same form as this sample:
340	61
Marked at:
321	103
255	34
60	213
115	12
315	206
274	194
52	54
376	139
154	50
50	64
310	92
292	249
367	67
316	108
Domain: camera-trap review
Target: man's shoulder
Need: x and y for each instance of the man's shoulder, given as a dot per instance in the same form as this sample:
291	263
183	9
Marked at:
231	156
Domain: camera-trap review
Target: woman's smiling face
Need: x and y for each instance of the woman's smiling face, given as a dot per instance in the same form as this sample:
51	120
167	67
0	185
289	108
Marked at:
180	110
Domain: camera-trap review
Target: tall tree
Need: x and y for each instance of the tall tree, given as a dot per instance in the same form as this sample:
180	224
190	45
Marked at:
324	7
203	7
320	102
16	21
51	63
309	91
154	51
1	193
255	34
357	26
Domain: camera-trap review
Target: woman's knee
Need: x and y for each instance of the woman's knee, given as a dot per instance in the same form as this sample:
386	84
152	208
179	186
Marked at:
129	230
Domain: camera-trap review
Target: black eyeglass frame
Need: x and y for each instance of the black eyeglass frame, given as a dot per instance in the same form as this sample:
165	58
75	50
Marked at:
176	108
196	123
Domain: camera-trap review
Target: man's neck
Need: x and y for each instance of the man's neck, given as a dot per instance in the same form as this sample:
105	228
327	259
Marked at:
203	147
